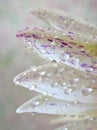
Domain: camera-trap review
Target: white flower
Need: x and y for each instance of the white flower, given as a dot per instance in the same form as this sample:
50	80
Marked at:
68	86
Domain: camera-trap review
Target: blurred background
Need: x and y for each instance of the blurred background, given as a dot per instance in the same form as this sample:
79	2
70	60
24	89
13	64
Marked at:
14	15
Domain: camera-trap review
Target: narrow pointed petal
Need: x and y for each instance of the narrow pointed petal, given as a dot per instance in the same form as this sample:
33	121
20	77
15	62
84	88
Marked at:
62	48
48	105
62	21
87	124
71	29
60	81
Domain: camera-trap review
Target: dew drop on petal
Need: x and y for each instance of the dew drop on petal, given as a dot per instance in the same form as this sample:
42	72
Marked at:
32	87
87	91
68	90
75	61
34	68
61	69
65	56
42	73
76	79
54	84
68	104
33	113
37	103
74	102
39	79
48	74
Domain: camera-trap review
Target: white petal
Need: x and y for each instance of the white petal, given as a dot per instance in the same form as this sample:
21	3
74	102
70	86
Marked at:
87	124
48	105
63	21
60	81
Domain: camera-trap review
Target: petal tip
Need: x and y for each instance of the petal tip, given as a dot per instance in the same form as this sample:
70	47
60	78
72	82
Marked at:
18	110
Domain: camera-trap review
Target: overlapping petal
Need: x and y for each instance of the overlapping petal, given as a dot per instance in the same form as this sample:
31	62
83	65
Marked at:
87	124
75	44
68	86
48	105
60	81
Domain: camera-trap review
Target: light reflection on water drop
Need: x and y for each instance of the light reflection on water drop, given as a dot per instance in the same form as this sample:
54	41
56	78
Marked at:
32	87
54	84
37	103
34	68
87	91
68	90
67	56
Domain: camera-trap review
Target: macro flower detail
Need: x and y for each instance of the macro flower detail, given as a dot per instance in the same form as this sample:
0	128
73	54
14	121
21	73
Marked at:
68	86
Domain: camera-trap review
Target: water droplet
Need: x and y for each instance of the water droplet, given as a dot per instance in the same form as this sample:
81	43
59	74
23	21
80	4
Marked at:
48	74
33	113
59	111
68	90
63	84
65	56
46	99
87	91
37	103
90	68
68	104
61	69
43	51
54	84
40	79
91	118
75	61
27	43
76	79
34	68
74	102
42	73
32	87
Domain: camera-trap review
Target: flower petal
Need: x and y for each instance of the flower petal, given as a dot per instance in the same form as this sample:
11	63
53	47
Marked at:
87	124
48	105
62	21
50	44
60	81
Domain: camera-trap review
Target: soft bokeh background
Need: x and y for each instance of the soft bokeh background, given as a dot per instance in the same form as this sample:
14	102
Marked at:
14	15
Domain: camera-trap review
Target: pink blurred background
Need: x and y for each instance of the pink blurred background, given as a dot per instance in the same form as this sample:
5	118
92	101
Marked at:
14	59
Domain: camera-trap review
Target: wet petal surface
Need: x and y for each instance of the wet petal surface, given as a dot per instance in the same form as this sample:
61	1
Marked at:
60	81
69	86
48	105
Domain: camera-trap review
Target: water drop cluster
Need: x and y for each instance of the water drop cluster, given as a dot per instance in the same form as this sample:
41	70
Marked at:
68	84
